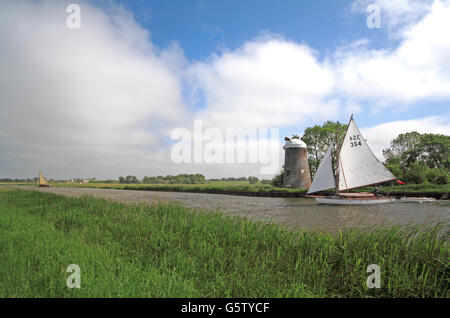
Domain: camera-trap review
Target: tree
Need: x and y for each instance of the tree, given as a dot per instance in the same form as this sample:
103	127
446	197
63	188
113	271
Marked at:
131	179
178	179
253	180
318	138
435	151
198	178
401	144
417	173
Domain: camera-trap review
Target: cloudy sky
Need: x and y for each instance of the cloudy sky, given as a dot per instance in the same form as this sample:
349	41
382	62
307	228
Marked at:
103	100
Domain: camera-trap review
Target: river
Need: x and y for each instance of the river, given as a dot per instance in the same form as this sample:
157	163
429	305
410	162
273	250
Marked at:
294	213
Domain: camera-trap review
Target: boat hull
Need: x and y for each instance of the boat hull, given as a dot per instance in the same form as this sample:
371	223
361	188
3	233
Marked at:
347	201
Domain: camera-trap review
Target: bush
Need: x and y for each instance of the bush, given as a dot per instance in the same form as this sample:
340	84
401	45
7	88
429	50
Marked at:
277	181
416	173
396	170
438	176
421	173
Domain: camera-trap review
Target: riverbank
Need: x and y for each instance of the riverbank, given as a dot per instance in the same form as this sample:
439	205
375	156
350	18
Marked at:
440	192
167	250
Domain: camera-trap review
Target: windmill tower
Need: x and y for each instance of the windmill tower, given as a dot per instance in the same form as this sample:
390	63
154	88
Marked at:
296	166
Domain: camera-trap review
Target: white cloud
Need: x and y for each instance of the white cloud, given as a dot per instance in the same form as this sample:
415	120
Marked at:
268	82
380	136
418	69
92	99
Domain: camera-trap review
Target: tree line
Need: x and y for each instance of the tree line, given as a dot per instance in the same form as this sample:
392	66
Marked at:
185	179
178	179
419	158
18	180
251	179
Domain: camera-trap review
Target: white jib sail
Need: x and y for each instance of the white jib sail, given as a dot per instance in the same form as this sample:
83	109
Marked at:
358	165
324	178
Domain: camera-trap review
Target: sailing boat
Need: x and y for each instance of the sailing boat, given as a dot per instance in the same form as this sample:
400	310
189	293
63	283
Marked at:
42	182
355	166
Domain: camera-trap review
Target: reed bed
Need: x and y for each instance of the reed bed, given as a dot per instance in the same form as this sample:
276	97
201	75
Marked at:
167	250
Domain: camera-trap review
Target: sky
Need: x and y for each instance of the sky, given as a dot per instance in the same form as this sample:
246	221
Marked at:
109	98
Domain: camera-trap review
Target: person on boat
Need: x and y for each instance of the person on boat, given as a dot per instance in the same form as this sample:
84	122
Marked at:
375	191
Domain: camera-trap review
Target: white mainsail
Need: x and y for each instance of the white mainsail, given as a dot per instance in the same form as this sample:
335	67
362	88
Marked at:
324	178
358	166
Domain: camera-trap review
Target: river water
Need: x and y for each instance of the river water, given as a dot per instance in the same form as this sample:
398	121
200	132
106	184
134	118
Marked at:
294	213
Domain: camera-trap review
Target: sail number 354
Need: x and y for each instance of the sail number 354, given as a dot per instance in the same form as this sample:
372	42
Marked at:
355	141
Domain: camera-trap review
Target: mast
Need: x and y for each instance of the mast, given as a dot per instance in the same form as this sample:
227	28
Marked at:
338	157
336	163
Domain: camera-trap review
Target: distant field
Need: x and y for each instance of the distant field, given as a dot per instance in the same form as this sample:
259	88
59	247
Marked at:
171	251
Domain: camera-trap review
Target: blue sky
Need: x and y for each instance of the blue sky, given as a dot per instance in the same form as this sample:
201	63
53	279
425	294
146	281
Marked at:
206	27
201	27
104	99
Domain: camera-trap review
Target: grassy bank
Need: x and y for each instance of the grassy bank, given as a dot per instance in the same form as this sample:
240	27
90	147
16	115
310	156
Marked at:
245	188
170	251
210	186
417	188
227	187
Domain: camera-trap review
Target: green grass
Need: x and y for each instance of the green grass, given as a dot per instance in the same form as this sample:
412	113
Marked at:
171	251
212	187
418	188
208	187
